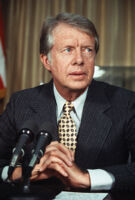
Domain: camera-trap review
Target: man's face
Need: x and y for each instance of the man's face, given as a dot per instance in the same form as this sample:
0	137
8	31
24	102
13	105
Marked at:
72	58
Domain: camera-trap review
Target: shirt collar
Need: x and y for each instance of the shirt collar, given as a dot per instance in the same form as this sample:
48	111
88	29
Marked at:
78	103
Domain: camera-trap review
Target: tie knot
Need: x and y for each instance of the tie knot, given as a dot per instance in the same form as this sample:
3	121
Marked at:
68	106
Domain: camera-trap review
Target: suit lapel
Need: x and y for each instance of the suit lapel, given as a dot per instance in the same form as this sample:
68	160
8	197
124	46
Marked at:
44	107
94	128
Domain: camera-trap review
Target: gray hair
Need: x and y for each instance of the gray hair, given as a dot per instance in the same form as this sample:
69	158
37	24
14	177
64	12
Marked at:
75	20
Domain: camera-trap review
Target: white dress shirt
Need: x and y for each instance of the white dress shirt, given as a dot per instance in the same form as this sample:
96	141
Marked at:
100	179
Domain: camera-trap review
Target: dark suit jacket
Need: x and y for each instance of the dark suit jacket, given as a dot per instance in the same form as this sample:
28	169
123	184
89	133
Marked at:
106	136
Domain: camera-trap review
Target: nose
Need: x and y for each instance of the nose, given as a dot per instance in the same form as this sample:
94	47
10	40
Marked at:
78	57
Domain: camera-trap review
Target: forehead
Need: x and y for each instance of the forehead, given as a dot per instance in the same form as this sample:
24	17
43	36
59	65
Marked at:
65	32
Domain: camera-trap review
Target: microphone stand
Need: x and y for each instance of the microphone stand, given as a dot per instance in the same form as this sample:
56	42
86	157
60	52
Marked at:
25	177
26	185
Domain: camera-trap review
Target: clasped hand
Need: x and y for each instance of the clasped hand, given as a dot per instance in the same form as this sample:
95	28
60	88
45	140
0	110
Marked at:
58	161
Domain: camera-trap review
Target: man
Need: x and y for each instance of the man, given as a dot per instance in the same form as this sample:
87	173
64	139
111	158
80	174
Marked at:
104	115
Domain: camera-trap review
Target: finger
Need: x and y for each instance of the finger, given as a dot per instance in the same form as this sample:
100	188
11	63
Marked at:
39	176
49	161
58	168
55	153
62	148
72	155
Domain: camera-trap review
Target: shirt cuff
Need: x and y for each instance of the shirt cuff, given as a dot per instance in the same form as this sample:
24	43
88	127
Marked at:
4	174
101	179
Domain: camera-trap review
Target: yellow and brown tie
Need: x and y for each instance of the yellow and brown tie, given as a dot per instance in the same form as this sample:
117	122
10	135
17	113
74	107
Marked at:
67	128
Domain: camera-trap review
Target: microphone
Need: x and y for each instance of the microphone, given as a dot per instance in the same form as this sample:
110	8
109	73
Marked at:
43	139
26	136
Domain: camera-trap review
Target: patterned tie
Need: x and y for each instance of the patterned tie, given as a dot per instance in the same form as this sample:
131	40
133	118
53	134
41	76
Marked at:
67	128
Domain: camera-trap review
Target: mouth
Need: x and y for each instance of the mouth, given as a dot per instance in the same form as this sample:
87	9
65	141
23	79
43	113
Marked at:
78	75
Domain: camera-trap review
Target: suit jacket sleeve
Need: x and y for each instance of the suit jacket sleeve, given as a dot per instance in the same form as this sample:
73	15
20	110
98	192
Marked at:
35	104
125	173
7	134
16	113
106	138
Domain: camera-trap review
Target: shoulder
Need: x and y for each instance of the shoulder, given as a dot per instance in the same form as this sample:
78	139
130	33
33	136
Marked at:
114	93
32	93
25	103
112	88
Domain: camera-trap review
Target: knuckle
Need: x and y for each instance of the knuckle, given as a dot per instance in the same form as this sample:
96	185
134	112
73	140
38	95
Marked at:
54	143
53	152
42	159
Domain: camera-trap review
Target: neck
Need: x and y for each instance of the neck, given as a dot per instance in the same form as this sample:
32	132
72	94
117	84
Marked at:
70	95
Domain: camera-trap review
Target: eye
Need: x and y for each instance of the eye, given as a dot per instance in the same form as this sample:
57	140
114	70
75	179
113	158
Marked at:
87	50
68	49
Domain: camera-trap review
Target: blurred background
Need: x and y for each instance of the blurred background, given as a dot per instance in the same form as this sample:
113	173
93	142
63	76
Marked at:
20	26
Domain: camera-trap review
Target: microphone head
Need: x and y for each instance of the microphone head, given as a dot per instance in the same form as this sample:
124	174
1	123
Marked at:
48	129
29	128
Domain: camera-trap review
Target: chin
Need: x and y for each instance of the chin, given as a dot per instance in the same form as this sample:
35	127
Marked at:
78	87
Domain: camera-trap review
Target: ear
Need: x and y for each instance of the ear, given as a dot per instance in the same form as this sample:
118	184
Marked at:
45	62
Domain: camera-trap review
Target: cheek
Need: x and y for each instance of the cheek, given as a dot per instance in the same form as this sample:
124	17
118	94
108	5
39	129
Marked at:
90	70
90	66
58	70
61	66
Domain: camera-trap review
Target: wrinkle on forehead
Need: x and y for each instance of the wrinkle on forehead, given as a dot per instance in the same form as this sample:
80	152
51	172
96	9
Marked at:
69	34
